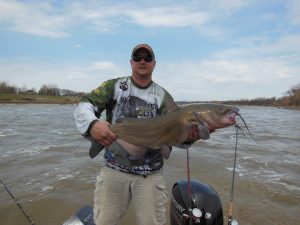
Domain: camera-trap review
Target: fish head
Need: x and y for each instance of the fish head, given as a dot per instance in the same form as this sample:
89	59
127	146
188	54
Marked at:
216	116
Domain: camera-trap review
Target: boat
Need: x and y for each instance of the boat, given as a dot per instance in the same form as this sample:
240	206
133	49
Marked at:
192	203
83	217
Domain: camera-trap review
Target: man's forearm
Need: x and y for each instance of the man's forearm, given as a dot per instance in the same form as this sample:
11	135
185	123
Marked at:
84	115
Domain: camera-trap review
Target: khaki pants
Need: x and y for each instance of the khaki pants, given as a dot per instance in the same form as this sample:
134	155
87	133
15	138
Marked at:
115	189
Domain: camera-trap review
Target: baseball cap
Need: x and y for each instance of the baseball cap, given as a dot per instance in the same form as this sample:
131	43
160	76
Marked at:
145	46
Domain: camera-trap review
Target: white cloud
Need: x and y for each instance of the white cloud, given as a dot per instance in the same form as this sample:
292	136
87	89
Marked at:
263	46
170	16
261	64
214	79
294	9
227	7
104	66
54	20
32	73
96	15
33	18
227	79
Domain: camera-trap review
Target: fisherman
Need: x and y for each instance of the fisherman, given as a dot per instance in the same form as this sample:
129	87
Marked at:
126	177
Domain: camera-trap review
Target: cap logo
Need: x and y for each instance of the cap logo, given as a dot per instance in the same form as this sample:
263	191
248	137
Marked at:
146	46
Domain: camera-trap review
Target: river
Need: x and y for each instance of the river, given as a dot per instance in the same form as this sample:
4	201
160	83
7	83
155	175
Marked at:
44	162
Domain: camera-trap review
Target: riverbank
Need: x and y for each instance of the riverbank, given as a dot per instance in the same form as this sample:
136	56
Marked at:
37	99
50	99
292	107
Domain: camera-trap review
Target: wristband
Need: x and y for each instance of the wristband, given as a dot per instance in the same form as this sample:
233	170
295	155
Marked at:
91	125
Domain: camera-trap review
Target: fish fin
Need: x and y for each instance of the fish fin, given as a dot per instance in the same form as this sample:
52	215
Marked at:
95	148
203	132
134	150
200	119
165	151
197	115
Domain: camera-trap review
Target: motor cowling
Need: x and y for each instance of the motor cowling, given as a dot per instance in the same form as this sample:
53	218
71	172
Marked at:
203	207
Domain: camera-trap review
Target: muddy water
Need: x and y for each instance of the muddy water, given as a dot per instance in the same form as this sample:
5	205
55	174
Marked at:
44	163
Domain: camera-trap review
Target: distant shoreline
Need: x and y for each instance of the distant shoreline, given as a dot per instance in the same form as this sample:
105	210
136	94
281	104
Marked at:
291	107
37	99
34	99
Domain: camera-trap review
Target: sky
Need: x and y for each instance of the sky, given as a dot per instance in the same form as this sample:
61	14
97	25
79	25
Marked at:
205	50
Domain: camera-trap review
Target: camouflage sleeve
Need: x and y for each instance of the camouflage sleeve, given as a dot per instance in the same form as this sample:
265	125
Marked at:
93	104
102	96
168	104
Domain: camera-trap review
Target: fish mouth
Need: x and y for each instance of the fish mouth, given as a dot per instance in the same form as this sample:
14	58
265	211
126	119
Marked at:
232	117
234	112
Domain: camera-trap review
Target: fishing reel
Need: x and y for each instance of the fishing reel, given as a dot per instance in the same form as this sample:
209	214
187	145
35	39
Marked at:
232	222
202	206
195	216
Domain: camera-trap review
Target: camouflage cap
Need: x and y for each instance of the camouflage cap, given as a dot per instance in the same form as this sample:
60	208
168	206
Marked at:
145	46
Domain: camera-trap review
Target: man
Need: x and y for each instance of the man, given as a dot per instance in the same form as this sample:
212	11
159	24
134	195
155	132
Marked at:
125	177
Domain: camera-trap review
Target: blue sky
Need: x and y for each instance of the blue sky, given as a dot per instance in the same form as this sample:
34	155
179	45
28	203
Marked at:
205	50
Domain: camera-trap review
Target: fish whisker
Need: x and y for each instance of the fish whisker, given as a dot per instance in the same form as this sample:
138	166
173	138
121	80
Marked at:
248	131
241	129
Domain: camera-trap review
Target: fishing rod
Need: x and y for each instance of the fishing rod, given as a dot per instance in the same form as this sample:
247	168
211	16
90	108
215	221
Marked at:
230	220
17	203
189	186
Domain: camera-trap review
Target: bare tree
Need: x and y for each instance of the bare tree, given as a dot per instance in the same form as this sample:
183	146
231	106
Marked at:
6	88
49	89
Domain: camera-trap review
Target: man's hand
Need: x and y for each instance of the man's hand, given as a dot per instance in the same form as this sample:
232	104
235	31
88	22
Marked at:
101	132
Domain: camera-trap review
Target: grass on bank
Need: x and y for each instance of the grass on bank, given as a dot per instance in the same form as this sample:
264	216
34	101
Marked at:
38	99
51	99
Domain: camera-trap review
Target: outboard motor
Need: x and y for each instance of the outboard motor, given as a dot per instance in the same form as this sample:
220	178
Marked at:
203	207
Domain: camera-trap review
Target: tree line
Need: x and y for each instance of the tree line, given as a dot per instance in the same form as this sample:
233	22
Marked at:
50	89
290	98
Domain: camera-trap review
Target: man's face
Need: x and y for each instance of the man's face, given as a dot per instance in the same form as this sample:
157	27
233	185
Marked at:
142	64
